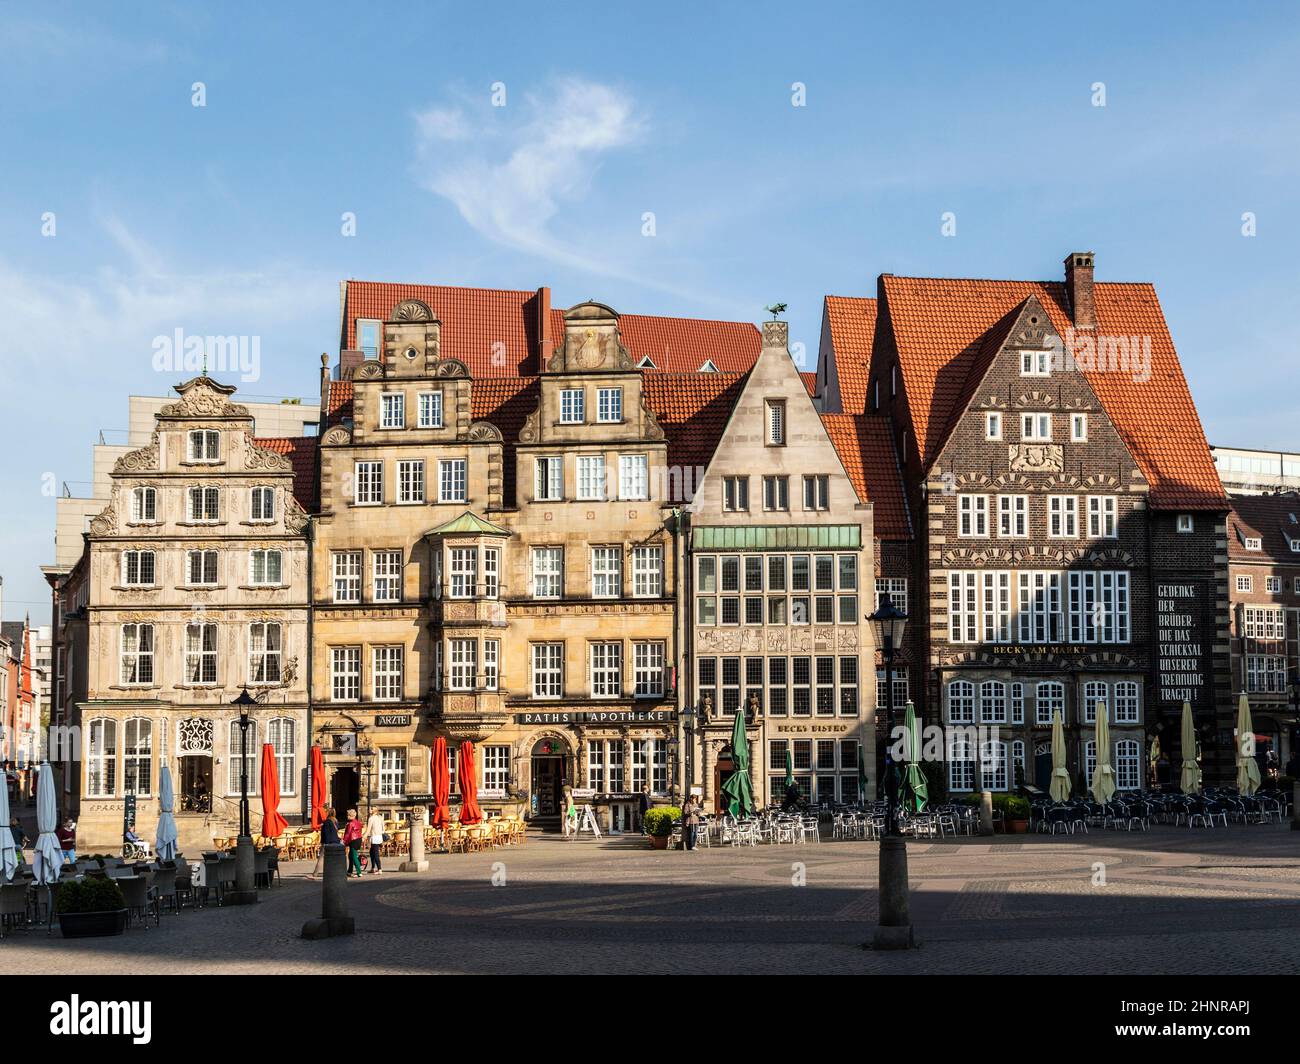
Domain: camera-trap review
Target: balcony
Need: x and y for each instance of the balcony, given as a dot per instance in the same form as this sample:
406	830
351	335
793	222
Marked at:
474	612
472	715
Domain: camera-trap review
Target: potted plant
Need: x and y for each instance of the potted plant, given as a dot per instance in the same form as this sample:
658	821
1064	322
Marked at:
658	824
89	908
1015	812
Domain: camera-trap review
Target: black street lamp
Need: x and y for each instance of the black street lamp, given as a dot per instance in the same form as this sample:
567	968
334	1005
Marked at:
688	729
894	929
245	887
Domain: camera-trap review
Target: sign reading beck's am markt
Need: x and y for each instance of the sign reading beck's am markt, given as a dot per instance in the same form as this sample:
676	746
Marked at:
1179	647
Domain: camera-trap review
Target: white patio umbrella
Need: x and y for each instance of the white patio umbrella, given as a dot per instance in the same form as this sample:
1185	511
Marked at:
1191	775
1060	785
1103	776
1247	766
164	841
8	851
48	858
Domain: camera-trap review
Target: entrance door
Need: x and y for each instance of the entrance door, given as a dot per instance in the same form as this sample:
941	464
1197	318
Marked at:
1043	769
548	786
722	770
196	784
345	792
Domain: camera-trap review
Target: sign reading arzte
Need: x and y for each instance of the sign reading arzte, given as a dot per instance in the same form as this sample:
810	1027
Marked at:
392	720
1178	639
598	716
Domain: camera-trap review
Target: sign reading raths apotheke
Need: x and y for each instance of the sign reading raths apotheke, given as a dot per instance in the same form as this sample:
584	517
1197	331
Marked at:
1181	665
598	716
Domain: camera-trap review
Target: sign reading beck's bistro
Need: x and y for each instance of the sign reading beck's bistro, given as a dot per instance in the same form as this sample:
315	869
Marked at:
598	716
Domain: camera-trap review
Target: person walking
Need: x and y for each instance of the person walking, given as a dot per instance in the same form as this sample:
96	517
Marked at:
329	836
375	833
352	840
690	821
67	836
20	837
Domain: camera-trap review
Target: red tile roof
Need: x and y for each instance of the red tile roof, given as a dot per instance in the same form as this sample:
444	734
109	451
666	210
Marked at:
866	447
302	453
693	409
852	324
939	327
1275	519
495	332
338	403
809	382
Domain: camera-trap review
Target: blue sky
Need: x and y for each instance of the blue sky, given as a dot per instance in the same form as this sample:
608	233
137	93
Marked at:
226	219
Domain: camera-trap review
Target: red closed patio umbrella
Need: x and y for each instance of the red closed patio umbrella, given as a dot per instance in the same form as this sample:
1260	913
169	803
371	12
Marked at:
273	824
470	813
318	804
441	788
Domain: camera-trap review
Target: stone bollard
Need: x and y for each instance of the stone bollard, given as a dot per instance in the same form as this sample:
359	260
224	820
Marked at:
894	929
986	812
415	862
334	919
1295	806
245	892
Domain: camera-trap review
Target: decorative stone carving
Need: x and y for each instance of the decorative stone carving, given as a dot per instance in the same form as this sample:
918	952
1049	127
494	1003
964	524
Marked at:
295	517
653	430
412	310
369	370
1036	457
194	736
776	334
528	434
106	523
483	432
452	367
203	397
142	460
261	458
338	436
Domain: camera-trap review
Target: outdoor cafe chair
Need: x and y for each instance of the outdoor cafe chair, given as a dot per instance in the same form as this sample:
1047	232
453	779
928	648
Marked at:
14	911
811	830
139	901
164	885
261	868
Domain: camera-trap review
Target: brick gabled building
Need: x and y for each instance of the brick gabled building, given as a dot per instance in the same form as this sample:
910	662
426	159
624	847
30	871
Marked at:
1070	523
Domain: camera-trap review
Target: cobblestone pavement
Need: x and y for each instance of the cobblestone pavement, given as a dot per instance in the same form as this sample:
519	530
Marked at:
1216	901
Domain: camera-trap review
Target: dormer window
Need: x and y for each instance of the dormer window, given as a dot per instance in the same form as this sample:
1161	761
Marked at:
1034	364
708	367
1254	543
392	410
646	363
368	337
205	445
1295	546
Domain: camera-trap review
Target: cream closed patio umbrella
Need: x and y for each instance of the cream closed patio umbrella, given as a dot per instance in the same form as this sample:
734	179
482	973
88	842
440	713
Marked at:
1060	785
1190	781
1247	766
1103	776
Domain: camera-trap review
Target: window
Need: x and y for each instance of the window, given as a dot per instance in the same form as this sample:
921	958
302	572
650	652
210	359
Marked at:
265	648
200	567
491	664
392	771
205	445
548	670
137	756
410	481
816	493
893	588
368	485
1245	583
496	769
572	406
1254	543
430	415
609	404
144	504
1273	584
659	766
606	572
548	572
606	670
1184	522
101	759
1128	765
200	653
993	426
633	477
1264	622
961	763
1013	515
1036	427
648	669
368	337
137	654
1017	703
848	673
203	504
961	702
491	572
266	568
973	515
1101	517
463	572
1079	428
261	504
595	765
993	702
392	410
735	494
993	765
463	664
591	477
775	422
900	690
647	572
962	606
1062	516
1094	698
345	674
453	480
347	576
1127	703
386	568
281	735
386	678
1049	699
1266	673
1034	364
138	568
549	481
640	764
1039	607
776	493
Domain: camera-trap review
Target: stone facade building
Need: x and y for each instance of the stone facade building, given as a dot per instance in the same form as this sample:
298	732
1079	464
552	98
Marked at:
192	588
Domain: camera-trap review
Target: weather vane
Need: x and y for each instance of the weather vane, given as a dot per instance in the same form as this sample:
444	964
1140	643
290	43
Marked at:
775	309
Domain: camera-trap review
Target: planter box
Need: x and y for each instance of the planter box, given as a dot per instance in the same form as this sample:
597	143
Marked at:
660	842
92	925
1017	827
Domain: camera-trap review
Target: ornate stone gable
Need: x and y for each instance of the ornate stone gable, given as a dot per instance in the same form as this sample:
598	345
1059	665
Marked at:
204	398
591	341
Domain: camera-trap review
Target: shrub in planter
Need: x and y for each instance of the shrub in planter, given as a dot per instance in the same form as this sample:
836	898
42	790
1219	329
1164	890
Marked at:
90	907
659	820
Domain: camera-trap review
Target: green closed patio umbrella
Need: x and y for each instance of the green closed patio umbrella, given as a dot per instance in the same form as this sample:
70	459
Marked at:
789	768
737	788
1190	780
1060	785
1103	776
1247	766
915	790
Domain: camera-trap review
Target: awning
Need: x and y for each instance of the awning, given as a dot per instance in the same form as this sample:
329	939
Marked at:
777	537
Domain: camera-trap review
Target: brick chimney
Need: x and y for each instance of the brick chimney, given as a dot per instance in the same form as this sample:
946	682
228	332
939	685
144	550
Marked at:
544	343
1078	286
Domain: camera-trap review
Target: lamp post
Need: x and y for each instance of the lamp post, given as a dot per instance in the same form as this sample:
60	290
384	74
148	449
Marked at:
245	892
688	729
894	929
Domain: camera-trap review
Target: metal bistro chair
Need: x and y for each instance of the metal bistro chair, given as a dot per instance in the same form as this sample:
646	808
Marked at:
262	868
164	887
140	901
13	907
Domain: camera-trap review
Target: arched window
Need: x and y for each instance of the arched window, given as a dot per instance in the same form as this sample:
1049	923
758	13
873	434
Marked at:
1128	765
232	762
137	756
101	758
281	735
961	702
993	702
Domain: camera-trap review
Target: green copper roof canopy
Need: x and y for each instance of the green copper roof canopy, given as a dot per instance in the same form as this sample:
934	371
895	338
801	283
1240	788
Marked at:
777	537
468	524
